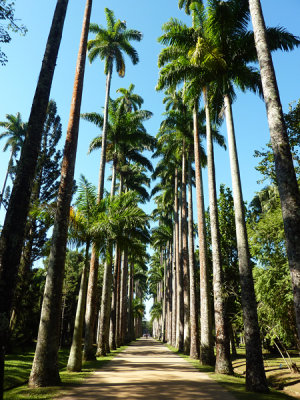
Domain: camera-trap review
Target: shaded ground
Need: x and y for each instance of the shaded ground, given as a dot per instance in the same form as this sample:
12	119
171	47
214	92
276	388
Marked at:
148	370
278	374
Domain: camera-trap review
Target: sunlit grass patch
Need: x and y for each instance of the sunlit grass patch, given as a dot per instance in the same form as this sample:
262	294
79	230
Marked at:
18	370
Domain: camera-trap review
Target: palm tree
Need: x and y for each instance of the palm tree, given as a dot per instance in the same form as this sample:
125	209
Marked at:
109	44
16	131
129	100
179	69
18	206
126	139
45	366
286	178
123	222
228	26
82	219
187	4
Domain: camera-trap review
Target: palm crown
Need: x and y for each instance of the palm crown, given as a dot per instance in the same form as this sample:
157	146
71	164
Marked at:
109	44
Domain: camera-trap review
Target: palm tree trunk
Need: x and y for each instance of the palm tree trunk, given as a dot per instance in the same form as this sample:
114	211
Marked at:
123	298
285	173
174	290
206	344
105	305
104	136
45	366
185	257
255	374
118	297
11	238
113	315
130	309
75	357
164	299
223	363
169	293
194	348
91	311
179	291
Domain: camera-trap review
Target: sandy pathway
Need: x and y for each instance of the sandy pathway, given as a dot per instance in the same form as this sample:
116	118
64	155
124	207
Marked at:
148	370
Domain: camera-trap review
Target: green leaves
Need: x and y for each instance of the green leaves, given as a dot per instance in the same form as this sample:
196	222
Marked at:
110	43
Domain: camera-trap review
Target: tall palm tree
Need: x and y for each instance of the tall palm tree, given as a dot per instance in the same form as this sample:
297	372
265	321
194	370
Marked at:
17	211
45	365
82	220
286	179
129	100
189	46
109	44
16	131
227	23
123	222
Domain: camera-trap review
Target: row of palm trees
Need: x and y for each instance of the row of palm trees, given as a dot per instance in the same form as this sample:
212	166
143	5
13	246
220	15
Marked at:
212	57
209	58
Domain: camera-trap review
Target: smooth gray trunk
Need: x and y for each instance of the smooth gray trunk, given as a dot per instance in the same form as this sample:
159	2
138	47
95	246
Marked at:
75	357
255	374
91	311
105	306
179	277
223	363
194	348
185	257
206	342
174	291
124	299
285	173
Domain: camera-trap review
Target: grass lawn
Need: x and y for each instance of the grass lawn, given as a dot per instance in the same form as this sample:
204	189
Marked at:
18	367
235	384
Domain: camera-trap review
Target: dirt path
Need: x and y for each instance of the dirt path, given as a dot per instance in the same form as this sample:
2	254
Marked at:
147	370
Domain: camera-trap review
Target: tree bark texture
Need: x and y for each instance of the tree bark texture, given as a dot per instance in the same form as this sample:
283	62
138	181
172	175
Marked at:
124	299
174	291
255	374
91	312
130	308
179	277
206	343
285	173
185	257
45	366
11	240
194	348
75	357
223	363
91	309
105	305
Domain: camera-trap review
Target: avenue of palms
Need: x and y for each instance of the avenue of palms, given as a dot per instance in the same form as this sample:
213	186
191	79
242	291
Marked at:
79	260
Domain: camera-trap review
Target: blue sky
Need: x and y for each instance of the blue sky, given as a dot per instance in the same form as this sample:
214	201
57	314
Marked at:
18	78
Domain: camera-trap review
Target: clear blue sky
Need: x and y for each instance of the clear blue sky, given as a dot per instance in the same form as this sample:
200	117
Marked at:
18	78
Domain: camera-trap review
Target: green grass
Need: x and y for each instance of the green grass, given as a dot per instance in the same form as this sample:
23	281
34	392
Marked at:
234	384
18	367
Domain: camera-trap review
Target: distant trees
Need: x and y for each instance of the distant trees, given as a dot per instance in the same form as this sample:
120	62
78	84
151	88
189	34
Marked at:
8	22
15	134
